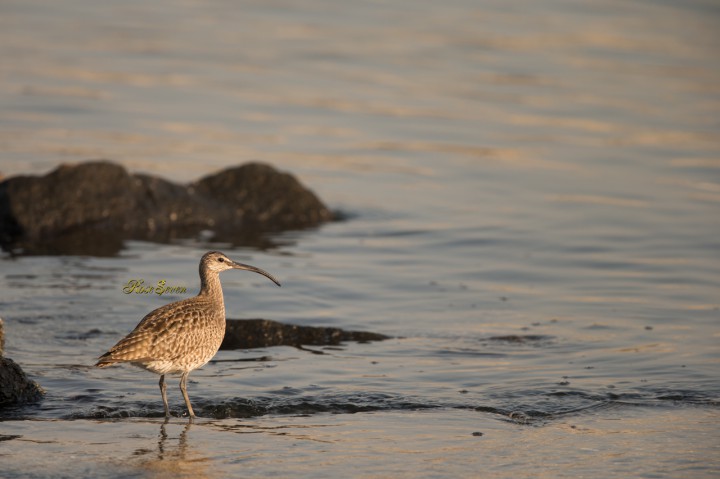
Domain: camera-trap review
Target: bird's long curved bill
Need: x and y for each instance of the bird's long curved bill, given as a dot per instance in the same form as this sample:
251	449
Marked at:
247	267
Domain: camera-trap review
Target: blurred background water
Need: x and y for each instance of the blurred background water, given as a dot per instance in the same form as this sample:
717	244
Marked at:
532	190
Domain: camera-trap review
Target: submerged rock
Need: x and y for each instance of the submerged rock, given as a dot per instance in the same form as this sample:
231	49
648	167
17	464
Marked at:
92	207
263	333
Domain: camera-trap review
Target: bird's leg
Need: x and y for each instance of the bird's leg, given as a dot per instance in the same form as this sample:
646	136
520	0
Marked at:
183	388
164	395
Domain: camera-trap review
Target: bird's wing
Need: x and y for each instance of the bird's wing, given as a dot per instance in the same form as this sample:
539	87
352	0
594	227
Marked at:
163	334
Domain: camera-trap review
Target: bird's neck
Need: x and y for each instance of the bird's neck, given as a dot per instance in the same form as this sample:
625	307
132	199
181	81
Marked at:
210	287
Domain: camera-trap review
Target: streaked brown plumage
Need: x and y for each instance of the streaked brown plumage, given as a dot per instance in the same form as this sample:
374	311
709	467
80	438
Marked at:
182	336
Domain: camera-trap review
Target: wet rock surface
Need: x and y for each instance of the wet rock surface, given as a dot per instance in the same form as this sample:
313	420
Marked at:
92	207
15	387
262	333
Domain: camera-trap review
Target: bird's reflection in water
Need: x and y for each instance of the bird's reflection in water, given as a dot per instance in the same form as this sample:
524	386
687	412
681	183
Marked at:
175	456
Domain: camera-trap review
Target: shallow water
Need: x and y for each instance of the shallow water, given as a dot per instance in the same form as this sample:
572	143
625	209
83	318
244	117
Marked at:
532	191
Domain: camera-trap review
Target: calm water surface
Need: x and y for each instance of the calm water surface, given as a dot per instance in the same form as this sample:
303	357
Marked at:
533	192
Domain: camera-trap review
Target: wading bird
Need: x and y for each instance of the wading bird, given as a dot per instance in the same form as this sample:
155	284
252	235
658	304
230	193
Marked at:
182	336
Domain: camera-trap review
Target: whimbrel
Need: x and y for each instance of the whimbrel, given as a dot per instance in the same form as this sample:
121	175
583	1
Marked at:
182	336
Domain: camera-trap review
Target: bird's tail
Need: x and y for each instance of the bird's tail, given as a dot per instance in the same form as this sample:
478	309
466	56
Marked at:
106	360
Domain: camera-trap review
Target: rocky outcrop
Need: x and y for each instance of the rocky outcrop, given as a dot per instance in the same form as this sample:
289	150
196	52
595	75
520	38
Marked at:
263	333
15	387
92	207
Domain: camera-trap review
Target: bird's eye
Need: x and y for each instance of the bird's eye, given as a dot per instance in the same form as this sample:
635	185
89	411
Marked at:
222	260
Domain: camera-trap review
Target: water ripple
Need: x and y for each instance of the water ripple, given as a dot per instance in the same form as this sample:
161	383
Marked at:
535	408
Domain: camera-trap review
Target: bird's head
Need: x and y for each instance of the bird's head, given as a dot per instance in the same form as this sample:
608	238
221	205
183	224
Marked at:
217	262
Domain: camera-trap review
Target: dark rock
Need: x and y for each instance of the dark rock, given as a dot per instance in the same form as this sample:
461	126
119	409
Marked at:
92	207
263	333
263	198
15	387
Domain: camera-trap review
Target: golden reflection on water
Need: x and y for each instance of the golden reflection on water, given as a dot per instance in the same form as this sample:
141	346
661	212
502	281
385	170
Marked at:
696	163
598	200
175	457
266	86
